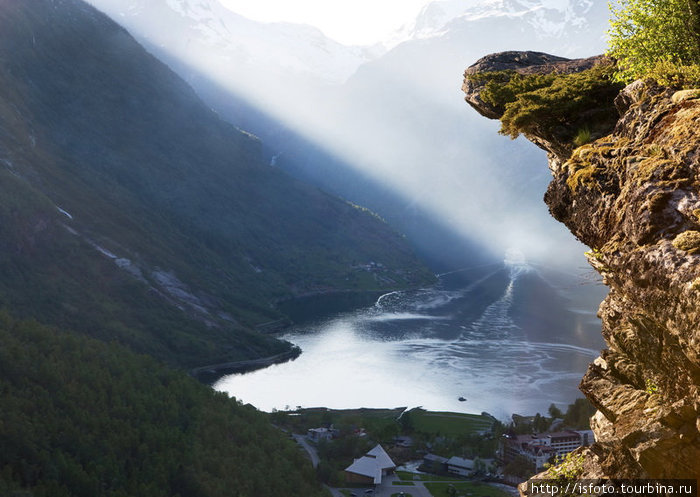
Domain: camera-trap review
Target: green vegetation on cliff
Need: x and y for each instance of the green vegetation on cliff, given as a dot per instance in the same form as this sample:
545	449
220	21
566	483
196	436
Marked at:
658	39
567	108
81	418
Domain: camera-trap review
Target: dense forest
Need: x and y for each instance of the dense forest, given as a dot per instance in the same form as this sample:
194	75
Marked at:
79	417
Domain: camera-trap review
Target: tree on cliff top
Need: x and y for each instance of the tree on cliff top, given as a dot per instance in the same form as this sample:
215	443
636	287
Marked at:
646	33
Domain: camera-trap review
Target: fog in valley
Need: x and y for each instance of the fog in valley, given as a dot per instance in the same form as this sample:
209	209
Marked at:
386	126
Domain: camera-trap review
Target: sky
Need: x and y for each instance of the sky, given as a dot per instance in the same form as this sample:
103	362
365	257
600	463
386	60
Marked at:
338	20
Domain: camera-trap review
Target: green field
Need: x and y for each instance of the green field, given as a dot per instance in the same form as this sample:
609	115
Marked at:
450	424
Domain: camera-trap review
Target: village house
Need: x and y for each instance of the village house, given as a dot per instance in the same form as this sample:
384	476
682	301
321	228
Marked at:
434	464
455	466
370	468
318	434
403	441
459	466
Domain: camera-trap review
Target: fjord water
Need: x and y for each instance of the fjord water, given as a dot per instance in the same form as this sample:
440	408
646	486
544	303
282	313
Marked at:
504	337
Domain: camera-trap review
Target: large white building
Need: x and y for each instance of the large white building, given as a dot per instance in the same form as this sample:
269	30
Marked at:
542	447
371	467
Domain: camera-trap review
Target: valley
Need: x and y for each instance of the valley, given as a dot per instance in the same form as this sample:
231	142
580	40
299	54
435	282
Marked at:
475	342
219	234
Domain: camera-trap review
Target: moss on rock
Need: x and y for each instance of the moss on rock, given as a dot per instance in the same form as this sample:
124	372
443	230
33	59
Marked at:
688	241
567	110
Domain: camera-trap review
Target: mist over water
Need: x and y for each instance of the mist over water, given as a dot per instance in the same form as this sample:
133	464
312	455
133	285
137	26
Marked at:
430	347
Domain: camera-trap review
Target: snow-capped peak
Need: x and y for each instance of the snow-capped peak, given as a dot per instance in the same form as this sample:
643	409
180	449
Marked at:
549	17
227	38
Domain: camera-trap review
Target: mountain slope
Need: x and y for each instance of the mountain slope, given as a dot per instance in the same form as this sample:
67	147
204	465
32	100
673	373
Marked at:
81	418
406	111
394	136
143	217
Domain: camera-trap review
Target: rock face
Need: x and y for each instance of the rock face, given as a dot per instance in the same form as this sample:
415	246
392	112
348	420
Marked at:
634	198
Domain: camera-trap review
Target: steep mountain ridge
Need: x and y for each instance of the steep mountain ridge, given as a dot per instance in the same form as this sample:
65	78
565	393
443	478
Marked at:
633	197
145	218
388	137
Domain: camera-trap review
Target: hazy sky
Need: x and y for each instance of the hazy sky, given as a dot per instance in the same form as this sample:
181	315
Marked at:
356	22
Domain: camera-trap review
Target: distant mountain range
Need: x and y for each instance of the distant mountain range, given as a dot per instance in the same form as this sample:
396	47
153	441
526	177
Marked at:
188	26
564	19
131	212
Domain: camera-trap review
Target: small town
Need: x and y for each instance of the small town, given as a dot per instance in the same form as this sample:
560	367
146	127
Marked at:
419	453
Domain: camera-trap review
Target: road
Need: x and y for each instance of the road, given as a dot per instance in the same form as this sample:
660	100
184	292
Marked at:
313	455
386	488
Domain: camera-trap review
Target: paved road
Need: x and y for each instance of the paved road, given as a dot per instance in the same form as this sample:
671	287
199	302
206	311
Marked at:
386	488
313	455
334	491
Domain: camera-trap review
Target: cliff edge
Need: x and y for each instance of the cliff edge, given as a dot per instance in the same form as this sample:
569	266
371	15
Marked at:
632	195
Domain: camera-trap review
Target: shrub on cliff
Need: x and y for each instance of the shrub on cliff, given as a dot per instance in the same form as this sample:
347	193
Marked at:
555	106
668	73
648	37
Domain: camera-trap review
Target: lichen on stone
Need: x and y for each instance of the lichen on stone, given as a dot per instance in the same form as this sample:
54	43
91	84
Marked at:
683	95
688	241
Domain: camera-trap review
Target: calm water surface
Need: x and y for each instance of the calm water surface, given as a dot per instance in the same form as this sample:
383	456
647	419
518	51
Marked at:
508	341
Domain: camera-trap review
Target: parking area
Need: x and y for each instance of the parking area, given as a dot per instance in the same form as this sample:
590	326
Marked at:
388	488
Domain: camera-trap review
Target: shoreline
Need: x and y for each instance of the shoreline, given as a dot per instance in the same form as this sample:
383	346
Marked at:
212	372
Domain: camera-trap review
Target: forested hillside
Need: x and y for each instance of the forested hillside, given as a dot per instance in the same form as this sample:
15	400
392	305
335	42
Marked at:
131	212
79	417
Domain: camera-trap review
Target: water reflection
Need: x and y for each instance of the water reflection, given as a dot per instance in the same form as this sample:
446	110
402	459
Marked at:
505	341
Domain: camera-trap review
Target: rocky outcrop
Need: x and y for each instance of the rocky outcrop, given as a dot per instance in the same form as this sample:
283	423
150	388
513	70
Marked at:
634	198
522	63
552	139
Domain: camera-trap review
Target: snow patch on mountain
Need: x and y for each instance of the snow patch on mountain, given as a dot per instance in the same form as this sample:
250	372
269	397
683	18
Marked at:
230	41
550	18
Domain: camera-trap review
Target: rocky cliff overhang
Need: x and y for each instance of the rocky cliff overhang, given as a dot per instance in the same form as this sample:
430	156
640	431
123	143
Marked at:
548	138
521	63
633	196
